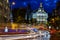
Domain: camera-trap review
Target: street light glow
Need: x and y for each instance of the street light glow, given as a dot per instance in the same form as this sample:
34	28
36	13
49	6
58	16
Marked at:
13	3
49	27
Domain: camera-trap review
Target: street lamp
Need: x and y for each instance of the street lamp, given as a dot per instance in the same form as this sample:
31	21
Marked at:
49	27
11	16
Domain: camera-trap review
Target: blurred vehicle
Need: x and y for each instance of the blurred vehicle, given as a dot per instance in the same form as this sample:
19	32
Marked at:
52	31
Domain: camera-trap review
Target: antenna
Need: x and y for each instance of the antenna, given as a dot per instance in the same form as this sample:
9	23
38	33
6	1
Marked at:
40	4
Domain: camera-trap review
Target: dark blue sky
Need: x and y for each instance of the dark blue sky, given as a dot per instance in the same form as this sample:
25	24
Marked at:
48	5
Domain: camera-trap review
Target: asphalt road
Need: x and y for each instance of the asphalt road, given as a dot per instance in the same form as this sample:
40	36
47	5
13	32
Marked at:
55	37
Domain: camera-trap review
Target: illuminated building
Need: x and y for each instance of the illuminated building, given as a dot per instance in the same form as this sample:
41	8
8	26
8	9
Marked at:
40	16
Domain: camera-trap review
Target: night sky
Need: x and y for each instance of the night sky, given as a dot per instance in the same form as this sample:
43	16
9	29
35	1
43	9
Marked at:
48	5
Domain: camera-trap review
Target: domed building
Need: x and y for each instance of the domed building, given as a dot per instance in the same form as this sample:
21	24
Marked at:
40	16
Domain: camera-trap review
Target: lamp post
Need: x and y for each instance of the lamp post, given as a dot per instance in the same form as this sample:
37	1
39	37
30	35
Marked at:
11	4
11	16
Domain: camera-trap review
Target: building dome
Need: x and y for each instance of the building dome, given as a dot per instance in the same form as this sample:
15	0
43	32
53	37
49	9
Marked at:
41	16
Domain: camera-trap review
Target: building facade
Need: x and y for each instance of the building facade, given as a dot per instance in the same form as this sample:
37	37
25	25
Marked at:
40	16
